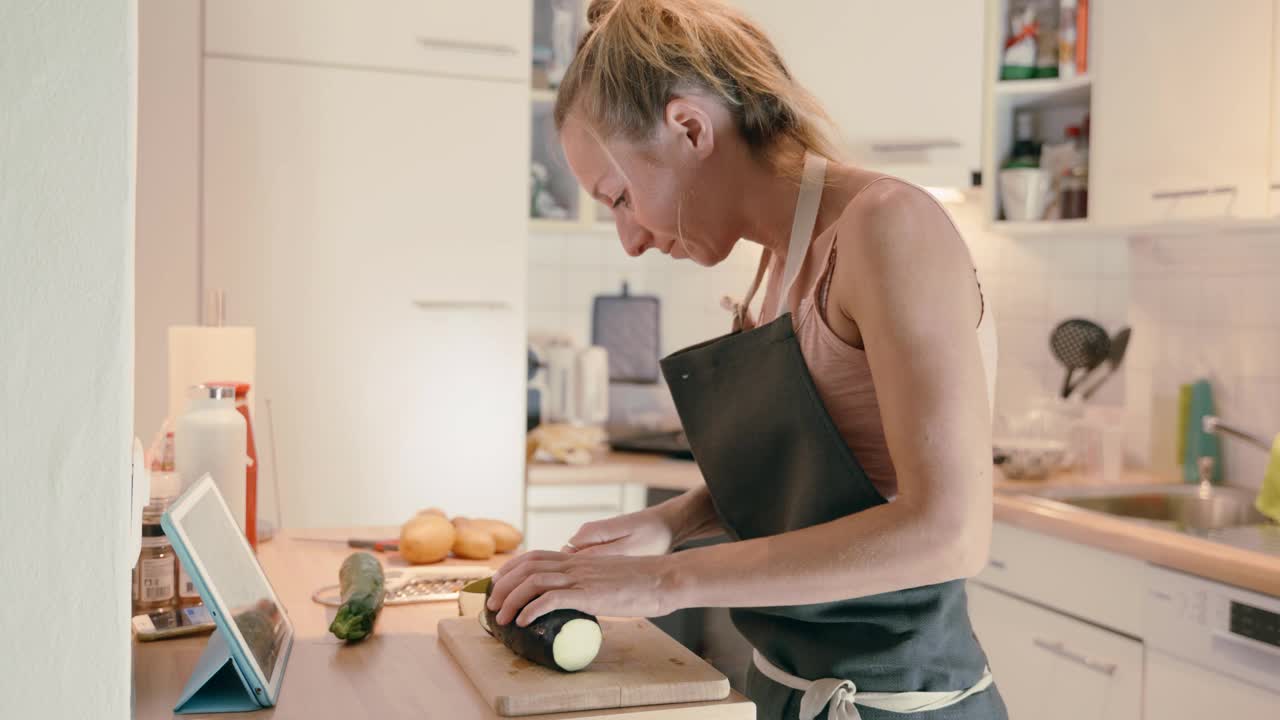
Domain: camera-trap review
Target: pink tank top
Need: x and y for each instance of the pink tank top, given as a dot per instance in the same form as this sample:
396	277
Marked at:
841	372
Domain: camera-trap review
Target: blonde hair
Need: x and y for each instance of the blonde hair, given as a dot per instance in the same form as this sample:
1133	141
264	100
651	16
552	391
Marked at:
636	55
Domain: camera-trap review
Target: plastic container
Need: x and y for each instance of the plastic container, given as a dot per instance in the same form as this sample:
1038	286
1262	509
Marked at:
591	374
211	438
251	472
1067	39
1025	193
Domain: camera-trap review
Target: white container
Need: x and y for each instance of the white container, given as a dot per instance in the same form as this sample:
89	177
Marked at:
561	403
591	377
211	437
1025	193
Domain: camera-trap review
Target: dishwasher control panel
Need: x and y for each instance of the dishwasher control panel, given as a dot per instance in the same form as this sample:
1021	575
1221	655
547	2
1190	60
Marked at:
1221	627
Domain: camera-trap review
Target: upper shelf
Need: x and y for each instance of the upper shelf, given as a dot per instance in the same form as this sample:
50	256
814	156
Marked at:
1044	90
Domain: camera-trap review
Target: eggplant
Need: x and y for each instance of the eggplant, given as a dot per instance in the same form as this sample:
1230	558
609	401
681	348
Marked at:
564	640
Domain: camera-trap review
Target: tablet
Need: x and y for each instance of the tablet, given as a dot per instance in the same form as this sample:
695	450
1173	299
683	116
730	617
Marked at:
234	589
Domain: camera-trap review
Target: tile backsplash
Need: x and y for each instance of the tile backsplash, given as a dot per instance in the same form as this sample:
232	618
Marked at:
566	271
1205	306
1031	284
1200	305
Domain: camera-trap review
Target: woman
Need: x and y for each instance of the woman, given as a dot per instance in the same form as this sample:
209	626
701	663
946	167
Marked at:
844	438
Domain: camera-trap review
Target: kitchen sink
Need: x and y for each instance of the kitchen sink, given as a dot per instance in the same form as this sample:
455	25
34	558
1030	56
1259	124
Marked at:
1197	509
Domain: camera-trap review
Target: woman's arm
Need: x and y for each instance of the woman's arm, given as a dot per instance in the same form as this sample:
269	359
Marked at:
904	279
904	283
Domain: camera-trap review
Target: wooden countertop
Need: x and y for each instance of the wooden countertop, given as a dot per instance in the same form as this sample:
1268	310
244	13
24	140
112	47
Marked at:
1235	566
1196	556
402	671
616	468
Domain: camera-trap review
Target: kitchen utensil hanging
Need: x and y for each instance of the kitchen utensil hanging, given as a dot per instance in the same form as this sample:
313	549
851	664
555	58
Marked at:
629	328
1079	345
1115	356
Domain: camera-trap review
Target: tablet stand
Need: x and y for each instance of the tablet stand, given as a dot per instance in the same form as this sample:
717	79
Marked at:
215	684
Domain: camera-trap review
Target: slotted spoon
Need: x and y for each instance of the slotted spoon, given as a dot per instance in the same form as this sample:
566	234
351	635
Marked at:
1078	344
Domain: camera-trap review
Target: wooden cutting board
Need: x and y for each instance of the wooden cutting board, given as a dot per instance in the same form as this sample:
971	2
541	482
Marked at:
637	665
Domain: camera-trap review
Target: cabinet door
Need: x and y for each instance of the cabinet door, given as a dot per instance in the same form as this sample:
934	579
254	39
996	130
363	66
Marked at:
1050	666
1177	690
1275	116
373	233
459	38
902	81
1181	104
551	529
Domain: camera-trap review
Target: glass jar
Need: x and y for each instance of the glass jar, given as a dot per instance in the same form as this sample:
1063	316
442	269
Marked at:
187	594
157	564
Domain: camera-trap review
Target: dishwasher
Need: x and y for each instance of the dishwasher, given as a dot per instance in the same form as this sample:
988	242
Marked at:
1212	650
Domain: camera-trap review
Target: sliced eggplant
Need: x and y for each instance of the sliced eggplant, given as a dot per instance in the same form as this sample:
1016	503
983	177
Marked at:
565	640
472	596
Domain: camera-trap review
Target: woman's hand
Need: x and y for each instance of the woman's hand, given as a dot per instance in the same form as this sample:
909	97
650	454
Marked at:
539	582
647	532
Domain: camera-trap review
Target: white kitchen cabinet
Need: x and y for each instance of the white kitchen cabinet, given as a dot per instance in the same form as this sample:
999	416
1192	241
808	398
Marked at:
468	39
1048	570
1178	690
1274	185
902	81
1181	106
555	512
1050	666
373	233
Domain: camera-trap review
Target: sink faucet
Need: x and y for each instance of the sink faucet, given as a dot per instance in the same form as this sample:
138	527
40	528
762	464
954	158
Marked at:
1205	466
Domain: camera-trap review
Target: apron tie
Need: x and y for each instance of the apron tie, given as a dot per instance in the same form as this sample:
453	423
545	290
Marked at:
841	696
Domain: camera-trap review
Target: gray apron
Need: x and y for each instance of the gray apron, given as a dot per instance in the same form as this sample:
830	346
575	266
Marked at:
774	461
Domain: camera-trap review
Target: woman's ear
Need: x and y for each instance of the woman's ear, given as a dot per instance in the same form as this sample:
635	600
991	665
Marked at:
688	123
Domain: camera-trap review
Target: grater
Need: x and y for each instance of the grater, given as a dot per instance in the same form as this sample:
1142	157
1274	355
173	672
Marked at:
415	585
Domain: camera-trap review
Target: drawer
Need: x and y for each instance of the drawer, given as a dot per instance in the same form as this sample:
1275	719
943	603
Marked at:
472	39
604	498
1049	666
551	529
1096	585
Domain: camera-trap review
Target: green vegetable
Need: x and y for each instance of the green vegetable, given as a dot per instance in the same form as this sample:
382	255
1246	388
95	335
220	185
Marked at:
565	640
363	588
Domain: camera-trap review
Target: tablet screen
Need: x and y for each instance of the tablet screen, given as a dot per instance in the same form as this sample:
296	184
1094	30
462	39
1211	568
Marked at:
232	572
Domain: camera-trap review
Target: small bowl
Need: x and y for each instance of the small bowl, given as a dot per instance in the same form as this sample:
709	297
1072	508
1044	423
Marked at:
1029	458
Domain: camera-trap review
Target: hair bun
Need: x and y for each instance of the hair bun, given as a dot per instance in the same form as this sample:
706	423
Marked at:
598	10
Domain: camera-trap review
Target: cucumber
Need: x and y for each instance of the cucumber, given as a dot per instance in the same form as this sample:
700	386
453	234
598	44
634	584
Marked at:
363	588
564	640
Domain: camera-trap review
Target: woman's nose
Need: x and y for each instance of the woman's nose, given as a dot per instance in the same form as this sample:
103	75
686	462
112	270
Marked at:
635	239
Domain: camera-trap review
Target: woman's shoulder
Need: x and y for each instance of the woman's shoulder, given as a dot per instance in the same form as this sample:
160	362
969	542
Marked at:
887	201
885	214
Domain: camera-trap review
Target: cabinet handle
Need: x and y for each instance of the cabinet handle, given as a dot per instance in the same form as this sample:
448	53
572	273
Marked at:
575	508
997	564
913	145
1275	186
1061	650
461	305
1194	192
464	46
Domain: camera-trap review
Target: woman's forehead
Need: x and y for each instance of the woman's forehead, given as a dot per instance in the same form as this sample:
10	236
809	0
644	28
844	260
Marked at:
589	157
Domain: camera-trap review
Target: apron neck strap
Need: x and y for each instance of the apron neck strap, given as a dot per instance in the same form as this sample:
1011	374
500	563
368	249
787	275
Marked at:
802	226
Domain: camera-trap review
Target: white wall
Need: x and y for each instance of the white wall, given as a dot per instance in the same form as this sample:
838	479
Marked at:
567	270
1206	306
1031	283
66	364
168	195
